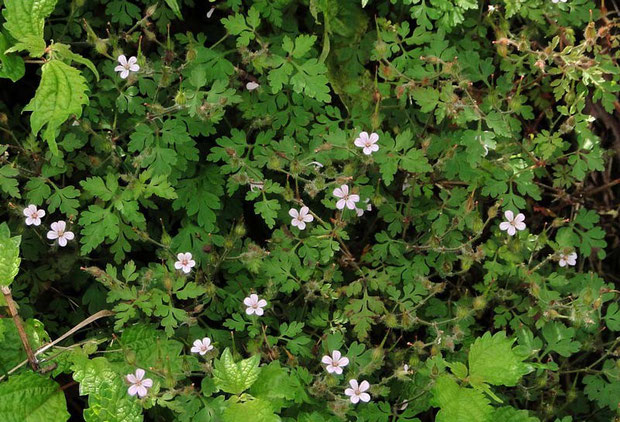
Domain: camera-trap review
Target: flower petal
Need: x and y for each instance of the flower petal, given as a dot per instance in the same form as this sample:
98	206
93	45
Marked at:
327	360
365	397
132	390
140	373
364	385
122	59
509	215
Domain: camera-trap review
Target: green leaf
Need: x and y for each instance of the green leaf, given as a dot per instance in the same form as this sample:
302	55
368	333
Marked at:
256	409
235	377
560	339
493	360
9	255
612	317
64	52
268	209
11	349
459	404
60	95
11	65
174	6
8	182
30	397
510	414
426	98
25	20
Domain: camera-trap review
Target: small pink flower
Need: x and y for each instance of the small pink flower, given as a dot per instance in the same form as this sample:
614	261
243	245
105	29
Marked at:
125	66
301	217
184	262
139	384
512	223
335	362
254	305
570	259
357	392
33	215
346	199
59	231
367	142
202	346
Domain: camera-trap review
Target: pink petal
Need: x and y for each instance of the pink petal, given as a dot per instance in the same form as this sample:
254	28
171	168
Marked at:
345	189
178	265
134	67
359	143
344	361
301	225
119	68
52	234
122	59
148	383
355	399
364	385
365	397
248	301
249	311
520	217
509	215
124	74
336	354
364	136
293	213
373	137
262	303
520	225
353	384
327	360
337	370
341	204
142	391
131	378
140	373
259	311
504	226
62	241
69	235
132	390
308	218
511	231
349	392
338	193
132	60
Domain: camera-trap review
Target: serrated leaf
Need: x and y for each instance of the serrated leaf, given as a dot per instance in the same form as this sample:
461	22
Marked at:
30	397
11	65
235	377
8	181
493	360
256	409
25	20
60	95
459	404
9	255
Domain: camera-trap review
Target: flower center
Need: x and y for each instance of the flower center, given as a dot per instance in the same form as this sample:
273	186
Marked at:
138	383
184	262
368	143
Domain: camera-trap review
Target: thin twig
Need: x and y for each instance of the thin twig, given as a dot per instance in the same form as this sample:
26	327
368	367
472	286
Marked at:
6	291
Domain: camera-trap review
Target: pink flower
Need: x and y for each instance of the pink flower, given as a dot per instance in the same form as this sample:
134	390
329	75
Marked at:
300	218
357	392
512	223
570	259
59	231
33	215
125	66
202	346
367	142
335	362
185	262
346	199
139	384
254	305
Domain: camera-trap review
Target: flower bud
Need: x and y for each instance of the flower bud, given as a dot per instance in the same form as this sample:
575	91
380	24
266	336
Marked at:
101	46
240	230
479	303
150	11
180	98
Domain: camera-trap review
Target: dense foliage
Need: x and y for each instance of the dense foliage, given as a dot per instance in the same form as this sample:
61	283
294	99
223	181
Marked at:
309	210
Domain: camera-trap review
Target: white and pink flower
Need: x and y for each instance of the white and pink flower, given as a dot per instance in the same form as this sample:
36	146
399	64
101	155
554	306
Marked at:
33	215
301	217
184	262
59	232
345	199
512	223
335	362
126	66
254	305
357	392
568	259
367	142
139	384
202	346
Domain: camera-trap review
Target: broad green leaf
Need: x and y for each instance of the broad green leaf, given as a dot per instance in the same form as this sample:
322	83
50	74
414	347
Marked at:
8	181
493	360
63	51
560	339
25	20
113	404
612	317
30	397
60	95
459	404
256	409
510	414
11	65
9	255
426	98
235	377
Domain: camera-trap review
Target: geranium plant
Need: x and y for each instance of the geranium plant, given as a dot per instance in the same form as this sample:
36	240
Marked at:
309	210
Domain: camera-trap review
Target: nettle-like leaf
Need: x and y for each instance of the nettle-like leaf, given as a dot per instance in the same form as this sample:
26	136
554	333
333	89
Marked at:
493	360
60	95
30	397
25	20
235	377
9	255
459	404
11	65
